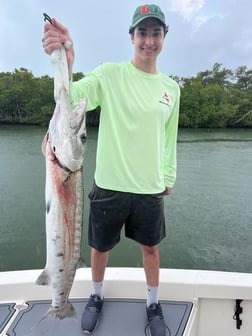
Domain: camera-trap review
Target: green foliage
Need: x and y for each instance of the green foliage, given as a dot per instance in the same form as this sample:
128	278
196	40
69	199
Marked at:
217	98
213	98
25	99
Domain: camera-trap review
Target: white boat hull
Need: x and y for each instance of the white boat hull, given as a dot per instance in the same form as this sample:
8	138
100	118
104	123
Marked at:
213	295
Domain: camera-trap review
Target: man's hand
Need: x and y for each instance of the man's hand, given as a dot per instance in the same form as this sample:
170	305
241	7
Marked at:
55	35
168	191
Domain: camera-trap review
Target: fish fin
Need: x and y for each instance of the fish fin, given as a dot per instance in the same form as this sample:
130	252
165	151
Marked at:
48	206
81	263
78	114
44	143
43	279
66	311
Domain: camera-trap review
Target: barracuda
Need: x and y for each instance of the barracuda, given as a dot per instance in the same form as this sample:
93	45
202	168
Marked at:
63	148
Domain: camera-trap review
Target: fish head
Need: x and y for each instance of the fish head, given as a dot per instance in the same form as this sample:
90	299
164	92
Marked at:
68	136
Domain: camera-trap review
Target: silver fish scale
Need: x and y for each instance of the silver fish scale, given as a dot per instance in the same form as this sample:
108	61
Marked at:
65	275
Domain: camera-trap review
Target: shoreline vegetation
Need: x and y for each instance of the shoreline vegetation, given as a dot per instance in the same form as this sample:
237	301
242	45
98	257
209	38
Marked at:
217	98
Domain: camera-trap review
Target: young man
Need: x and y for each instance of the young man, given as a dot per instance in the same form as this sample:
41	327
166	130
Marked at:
136	154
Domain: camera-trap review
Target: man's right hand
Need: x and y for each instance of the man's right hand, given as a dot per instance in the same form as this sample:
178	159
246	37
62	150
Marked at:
54	36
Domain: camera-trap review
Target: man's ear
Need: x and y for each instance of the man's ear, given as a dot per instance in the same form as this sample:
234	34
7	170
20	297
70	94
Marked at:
131	32
132	38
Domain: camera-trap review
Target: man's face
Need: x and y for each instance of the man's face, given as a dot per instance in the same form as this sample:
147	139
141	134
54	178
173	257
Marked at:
148	38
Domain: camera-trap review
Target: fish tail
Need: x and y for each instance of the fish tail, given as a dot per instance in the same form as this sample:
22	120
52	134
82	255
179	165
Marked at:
66	311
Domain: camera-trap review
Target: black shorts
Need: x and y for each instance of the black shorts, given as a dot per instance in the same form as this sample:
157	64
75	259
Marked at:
142	215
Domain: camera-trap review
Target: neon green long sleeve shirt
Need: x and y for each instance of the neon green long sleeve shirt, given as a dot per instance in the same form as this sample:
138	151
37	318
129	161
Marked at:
136	149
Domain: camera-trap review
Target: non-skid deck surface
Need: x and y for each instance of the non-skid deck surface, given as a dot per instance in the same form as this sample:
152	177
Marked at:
118	318
6	312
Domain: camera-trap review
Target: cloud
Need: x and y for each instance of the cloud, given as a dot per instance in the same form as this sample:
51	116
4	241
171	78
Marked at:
186	8
201	33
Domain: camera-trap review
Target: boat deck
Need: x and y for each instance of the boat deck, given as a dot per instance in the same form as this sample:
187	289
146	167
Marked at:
120	317
195	303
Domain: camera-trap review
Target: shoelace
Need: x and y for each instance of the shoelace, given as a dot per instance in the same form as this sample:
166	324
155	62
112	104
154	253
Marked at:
94	302
155	310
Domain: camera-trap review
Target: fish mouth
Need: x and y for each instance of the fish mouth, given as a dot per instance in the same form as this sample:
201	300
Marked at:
69	165
74	166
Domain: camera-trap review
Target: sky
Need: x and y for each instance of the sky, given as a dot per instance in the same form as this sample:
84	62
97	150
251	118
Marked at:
201	33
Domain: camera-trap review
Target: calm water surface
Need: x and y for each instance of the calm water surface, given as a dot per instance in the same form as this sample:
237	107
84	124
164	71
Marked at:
209	215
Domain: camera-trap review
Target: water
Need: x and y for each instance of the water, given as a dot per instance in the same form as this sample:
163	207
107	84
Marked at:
209	215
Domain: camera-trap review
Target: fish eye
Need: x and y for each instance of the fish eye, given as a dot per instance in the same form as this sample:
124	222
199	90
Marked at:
83	138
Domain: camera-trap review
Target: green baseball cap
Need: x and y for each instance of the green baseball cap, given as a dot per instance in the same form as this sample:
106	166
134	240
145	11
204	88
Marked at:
148	11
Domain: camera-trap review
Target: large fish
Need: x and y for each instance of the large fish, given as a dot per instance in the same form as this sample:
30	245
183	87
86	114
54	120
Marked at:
63	148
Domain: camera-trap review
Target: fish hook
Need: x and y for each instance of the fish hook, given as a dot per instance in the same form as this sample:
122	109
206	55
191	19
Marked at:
47	18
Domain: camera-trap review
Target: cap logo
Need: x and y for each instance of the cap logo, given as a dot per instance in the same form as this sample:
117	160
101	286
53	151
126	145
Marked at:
144	10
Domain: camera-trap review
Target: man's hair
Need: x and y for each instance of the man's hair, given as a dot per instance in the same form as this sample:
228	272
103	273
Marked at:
166	29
